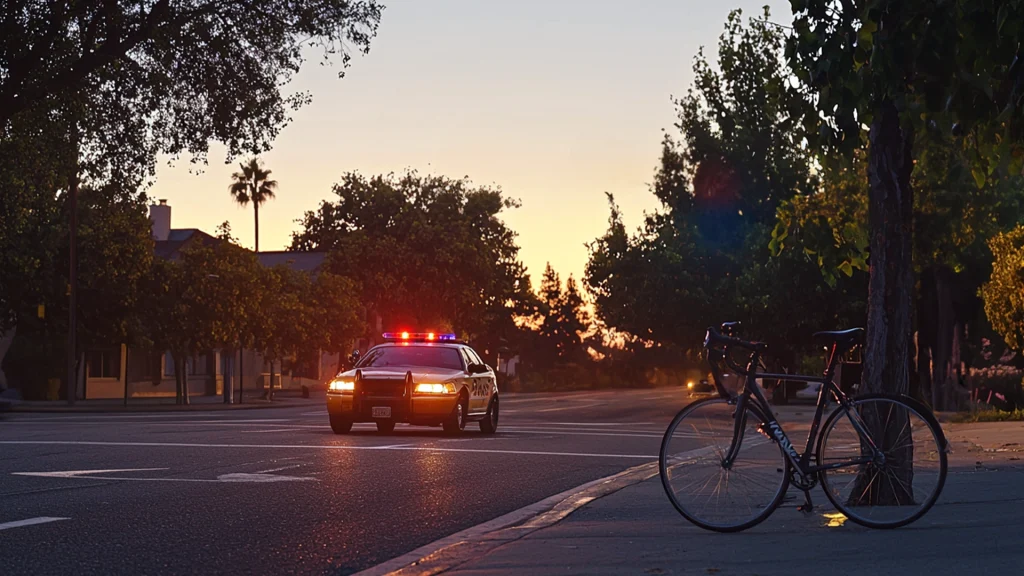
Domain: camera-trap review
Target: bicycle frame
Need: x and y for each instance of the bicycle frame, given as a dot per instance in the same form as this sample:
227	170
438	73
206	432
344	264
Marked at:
752	393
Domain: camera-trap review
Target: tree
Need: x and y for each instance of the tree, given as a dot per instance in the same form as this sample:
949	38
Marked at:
146	66
201	302
1003	294
286	320
563	321
425	251
704	256
902	68
337	319
252	184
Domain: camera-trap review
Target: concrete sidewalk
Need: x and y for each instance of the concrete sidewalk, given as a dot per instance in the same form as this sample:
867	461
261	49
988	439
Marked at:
973	529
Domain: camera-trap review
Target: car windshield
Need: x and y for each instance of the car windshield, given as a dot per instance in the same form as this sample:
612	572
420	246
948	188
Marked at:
420	356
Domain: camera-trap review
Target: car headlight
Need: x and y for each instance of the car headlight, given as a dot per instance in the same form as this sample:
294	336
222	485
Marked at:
425	388
689	384
342	386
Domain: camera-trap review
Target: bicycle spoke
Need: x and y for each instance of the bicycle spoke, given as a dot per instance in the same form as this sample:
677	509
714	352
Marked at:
889	492
702	489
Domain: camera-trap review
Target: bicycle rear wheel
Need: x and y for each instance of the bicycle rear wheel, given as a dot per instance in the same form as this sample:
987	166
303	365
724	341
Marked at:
886	492
701	488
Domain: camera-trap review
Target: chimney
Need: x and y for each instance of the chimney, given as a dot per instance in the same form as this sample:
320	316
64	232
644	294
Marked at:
160	217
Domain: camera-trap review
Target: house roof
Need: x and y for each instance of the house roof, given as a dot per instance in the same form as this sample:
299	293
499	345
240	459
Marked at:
178	239
309	262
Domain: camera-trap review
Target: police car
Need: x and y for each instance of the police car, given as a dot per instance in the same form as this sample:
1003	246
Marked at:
425	379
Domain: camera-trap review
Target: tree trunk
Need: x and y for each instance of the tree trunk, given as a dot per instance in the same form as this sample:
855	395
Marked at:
256	211
270	385
179	371
177	378
890	219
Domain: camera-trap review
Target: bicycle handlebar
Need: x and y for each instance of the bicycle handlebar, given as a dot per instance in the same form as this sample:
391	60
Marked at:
716	340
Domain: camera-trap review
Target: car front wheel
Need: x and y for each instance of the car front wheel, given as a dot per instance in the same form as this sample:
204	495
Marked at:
489	425
340	424
456	421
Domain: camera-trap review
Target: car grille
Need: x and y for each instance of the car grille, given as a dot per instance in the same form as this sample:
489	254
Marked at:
382	388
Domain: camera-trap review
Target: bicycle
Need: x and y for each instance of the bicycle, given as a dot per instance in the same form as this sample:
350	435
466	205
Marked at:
726	463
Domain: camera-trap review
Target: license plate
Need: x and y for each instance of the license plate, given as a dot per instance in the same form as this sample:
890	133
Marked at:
381	412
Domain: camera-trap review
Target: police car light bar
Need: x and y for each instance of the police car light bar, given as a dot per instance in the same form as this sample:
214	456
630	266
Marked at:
421	336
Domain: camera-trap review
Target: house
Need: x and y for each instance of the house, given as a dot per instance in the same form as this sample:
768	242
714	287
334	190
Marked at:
115	371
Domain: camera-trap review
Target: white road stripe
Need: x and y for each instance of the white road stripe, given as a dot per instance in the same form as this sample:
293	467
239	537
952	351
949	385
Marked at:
590	423
293	429
321	447
572	407
30	522
77	473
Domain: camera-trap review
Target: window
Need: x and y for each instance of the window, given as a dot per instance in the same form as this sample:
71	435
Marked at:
168	364
413	356
104	364
473	356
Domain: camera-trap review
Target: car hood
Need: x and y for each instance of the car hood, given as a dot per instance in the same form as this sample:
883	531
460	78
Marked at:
419	373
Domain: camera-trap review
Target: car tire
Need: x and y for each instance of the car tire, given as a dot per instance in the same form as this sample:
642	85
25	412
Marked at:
456	421
489	425
340	424
385	426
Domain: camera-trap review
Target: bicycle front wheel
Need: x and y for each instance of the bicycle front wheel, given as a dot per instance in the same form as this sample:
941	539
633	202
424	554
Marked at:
896	485
701	488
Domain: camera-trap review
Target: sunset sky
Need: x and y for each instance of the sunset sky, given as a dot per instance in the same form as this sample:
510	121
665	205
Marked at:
555	101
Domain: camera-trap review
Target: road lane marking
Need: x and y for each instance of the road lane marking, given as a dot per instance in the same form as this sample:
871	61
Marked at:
256	477
589	423
30	522
292	429
573	407
77	473
564	433
321	447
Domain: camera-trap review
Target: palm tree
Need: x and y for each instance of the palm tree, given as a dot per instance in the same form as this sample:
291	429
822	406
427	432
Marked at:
252	184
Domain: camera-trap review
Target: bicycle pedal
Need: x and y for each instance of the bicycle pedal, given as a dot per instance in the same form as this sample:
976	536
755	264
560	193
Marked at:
807	507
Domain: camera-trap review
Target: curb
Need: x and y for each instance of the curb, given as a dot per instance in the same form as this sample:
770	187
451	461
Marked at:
461	547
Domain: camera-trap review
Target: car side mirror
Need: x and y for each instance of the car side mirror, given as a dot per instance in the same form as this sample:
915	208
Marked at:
477	368
354	357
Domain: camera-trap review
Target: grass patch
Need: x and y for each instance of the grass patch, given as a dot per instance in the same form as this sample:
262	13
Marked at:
989	416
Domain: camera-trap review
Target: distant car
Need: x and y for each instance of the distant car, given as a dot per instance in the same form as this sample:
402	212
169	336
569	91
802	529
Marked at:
421	379
702	388
809	392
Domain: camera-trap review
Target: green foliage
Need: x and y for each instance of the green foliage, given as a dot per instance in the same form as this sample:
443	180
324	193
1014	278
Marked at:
425	251
949	68
205	300
253	184
143	72
989	416
336	316
562	323
1003	294
706	256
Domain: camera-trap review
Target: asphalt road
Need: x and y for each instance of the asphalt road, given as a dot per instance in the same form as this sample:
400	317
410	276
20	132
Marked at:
275	491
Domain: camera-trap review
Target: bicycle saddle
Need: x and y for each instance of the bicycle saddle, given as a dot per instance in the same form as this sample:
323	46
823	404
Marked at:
842	338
